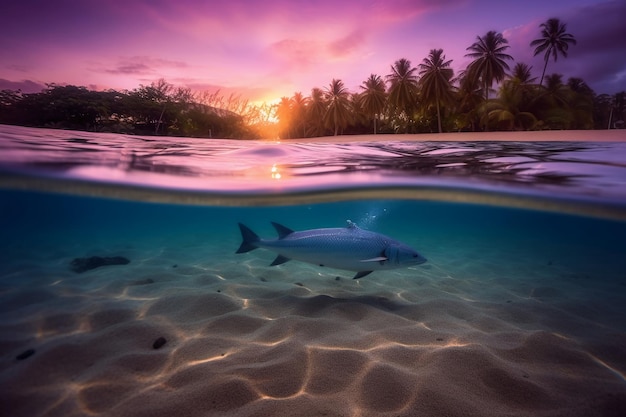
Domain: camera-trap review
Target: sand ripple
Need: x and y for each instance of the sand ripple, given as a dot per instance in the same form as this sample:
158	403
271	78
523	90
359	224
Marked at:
235	344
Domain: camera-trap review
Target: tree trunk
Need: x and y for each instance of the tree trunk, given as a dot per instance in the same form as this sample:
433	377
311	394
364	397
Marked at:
439	117
486	100
545	65
156	129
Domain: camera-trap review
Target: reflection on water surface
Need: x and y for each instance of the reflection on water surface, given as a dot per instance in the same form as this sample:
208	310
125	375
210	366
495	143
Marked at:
592	171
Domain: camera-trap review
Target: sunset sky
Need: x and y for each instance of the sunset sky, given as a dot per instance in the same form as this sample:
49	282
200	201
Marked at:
265	49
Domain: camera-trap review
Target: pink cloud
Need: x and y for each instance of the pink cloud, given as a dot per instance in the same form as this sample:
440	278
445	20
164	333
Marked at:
346	45
258	47
400	10
297	54
271	21
245	92
303	54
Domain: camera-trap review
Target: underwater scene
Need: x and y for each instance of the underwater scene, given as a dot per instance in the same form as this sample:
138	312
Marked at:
176	276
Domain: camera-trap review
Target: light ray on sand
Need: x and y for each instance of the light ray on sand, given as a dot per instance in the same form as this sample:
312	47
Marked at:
125	296
607	366
206	360
423	325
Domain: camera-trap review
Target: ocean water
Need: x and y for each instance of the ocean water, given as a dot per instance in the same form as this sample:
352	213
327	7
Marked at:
520	309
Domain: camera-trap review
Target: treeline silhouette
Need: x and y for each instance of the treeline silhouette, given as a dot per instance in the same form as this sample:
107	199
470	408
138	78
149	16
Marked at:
157	109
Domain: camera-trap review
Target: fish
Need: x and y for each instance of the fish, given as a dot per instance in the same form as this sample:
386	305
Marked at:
349	248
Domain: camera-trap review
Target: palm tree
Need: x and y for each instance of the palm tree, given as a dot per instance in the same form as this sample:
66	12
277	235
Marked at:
374	97
556	90
554	41
338	114
298	110
510	111
359	118
556	113
403	87
469	99
523	80
523	73
284	114
489	62
581	103
315	111
435	81
578	85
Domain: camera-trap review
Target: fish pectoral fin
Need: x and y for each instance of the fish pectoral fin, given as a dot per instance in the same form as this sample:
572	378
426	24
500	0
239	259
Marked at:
377	259
361	274
280	259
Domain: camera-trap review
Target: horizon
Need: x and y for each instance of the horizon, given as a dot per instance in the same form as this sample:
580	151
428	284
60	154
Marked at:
263	51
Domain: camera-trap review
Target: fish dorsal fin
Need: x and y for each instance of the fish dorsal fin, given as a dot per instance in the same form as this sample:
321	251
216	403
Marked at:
351	225
282	230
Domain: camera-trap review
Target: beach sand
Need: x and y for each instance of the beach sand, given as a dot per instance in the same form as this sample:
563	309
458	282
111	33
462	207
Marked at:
178	333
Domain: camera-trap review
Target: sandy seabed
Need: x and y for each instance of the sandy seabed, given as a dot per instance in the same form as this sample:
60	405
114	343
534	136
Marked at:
245	339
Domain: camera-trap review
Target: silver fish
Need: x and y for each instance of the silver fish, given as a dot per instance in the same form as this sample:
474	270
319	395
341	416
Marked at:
350	248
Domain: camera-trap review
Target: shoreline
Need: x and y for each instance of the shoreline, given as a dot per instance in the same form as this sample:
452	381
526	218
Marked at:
603	135
612	135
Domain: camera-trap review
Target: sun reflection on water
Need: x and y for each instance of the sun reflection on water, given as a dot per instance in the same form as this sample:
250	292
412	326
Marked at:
275	173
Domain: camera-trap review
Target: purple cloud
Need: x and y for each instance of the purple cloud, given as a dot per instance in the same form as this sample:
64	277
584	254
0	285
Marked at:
143	65
599	56
601	49
25	86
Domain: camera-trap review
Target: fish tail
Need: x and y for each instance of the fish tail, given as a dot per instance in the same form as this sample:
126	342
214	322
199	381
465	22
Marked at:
249	239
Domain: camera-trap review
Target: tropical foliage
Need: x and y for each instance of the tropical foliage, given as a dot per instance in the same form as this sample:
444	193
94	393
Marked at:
426	98
157	109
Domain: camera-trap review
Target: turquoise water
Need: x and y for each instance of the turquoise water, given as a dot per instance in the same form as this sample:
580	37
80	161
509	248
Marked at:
526	249
35	224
